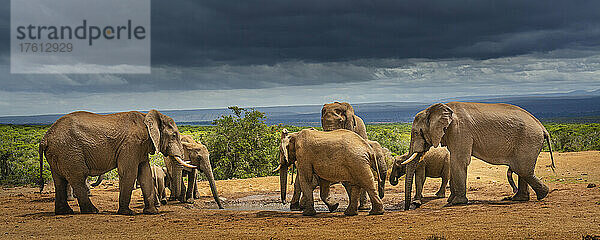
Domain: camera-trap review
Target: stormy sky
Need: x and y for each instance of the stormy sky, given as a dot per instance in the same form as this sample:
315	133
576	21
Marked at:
211	54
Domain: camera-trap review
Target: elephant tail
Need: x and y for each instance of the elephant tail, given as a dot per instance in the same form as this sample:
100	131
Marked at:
41	150
547	137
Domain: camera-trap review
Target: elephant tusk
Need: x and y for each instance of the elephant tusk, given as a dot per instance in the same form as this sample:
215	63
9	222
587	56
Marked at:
412	157
277	169
185	164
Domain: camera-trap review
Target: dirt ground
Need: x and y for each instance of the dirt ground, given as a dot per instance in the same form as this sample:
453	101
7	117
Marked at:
570	211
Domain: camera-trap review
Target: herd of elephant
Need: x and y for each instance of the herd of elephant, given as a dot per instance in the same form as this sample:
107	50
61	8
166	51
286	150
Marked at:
443	139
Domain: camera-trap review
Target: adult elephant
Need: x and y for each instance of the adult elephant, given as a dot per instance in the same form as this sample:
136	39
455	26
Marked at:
499	134
82	144
340	115
336	156
198	155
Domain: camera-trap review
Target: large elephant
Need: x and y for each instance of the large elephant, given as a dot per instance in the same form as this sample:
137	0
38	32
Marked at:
335	156
82	144
500	134
382	155
340	115
198	155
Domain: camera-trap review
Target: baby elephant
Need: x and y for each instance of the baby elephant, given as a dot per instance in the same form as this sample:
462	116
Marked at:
434	164
159	177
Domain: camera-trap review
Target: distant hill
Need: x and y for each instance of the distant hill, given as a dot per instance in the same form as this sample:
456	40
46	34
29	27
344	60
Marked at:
577	106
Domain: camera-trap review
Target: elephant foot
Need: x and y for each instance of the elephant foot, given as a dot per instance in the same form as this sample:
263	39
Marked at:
309	212
189	200
350	212
377	210
458	201
333	207
518	198
63	211
89	210
151	211
364	207
172	199
542	193
440	195
295	207
125	211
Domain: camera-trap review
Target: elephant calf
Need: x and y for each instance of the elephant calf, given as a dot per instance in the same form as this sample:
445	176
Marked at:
434	164
335	156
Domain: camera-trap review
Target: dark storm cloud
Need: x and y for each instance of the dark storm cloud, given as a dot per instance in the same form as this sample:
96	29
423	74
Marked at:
253	44
210	32
267	31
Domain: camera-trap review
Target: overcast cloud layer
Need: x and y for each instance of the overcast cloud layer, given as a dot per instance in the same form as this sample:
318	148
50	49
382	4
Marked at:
264	53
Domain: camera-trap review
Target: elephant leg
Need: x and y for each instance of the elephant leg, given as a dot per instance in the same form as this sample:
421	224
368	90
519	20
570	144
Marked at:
352	208
61	207
522	191
366	182
189	195
442	192
305	185
128	171
541	190
363	205
458	170
183	191
70	196
324	186
295	203
81	190
161	194
144	177
196	192
419	182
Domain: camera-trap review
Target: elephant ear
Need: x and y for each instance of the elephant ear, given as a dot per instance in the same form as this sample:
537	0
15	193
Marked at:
350	123
153	122
439	117
287	147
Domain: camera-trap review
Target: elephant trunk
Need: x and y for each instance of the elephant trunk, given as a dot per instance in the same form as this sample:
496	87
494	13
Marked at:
283	174
410	173
381	185
213	187
394	176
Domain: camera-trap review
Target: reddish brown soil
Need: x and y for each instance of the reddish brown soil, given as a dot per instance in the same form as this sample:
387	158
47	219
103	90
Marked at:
570	211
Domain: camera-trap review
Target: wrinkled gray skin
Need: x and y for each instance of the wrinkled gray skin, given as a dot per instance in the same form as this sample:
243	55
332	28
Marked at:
435	163
382	155
335	156
340	115
499	134
71	196
198	155
83	144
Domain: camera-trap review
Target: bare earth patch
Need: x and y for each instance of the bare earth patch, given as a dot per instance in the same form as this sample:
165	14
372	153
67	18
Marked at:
253	211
